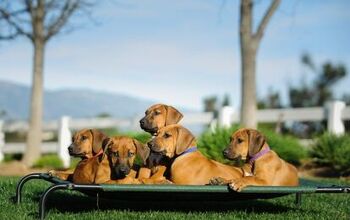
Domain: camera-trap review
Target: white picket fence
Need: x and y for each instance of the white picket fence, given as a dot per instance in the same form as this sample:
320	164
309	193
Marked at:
334	112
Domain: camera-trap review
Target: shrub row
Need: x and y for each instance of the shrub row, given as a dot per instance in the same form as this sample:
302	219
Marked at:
212	144
328	149
332	150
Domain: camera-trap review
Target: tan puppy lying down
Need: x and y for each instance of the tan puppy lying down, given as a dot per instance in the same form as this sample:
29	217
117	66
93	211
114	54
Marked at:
263	166
92	168
121	152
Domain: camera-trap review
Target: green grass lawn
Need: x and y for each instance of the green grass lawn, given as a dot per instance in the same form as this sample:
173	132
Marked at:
73	205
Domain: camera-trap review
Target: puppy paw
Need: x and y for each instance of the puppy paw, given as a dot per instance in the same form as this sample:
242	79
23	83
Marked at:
217	181
128	180
237	185
166	182
52	173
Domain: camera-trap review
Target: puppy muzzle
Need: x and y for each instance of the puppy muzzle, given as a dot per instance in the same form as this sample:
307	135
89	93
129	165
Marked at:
156	158
74	151
121	171
228	155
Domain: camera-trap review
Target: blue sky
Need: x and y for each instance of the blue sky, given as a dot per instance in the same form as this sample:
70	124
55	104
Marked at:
178	52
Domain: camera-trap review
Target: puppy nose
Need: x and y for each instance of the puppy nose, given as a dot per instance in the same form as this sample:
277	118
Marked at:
225	152
142	121
70	149
124	169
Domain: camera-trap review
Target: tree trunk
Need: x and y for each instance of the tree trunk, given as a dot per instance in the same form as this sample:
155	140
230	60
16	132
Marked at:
33	150
248	54
249	46
34	134
248	105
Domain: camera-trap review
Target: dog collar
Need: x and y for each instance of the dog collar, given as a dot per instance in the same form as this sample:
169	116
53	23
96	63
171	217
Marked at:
258	155
99	153
189	150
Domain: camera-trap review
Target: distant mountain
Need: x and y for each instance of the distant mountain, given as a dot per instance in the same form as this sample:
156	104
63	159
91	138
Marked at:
14	100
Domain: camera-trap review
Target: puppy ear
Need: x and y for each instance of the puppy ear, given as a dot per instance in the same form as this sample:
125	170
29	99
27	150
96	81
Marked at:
184	140
97	139
142	150
256	142
173	116
105	145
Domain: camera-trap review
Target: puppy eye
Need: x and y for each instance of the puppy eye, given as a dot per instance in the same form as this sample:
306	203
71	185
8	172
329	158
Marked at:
239	140
130	154
167	135
83	138
157	112
116	154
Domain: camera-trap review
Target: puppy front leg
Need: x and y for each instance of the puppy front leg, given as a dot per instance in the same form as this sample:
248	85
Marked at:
144	173
239	184
129	179
157	177
111	182
219	181
64	175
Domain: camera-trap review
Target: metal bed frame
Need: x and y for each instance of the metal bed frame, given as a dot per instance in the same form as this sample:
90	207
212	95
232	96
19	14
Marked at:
173	192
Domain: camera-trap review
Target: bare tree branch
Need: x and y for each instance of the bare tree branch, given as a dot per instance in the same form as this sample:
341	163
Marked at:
67	10
29	5
262	26
50	4
9	36
18	30
38	18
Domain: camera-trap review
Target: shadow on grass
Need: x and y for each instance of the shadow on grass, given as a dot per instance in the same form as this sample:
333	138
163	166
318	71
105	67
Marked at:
79	203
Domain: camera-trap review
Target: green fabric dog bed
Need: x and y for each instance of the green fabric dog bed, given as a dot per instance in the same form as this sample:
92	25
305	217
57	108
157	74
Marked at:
175	192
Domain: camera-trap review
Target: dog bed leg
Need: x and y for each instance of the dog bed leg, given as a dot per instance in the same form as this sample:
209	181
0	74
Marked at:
20	184
298	199
43	198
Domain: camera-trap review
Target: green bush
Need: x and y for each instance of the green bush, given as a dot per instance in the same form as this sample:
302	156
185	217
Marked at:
212	143
110	131
74	162
12	157
288	148
143	137
49	160
332	150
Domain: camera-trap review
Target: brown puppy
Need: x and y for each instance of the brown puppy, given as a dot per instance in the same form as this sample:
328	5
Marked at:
189	166
265	165
87	144
158	116
121	152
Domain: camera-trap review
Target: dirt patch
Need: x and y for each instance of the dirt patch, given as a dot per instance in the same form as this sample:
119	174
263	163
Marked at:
16	168
319	172
311	169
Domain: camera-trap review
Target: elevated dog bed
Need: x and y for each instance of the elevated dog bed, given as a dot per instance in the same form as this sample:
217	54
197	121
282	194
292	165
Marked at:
174	192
